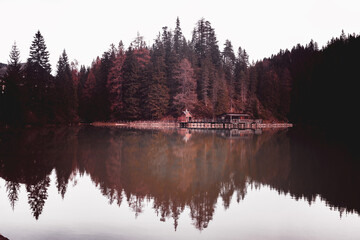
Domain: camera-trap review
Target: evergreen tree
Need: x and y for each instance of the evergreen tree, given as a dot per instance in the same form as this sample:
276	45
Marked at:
37	194
208	62
228	62
253	79
88	112
213	48
203	81
157	92
131	86
243	59
178	40
13	107
199	40
170	61
269	91
101	93
244	89
39	83
66	104
222	98
228	58
114	85
241	79
75	82
14	63
285	91
81	91
13	189
143	60
200	36
38	52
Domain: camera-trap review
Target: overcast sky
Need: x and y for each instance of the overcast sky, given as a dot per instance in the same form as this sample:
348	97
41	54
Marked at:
86	28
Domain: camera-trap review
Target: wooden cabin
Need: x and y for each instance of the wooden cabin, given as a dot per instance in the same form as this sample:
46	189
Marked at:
188	116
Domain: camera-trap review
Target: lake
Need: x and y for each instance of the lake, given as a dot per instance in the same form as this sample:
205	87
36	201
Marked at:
115	183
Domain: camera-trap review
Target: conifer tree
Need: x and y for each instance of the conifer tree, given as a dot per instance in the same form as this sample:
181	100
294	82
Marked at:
143	60
101	93
170	61
81	92
208	62
39	83
285	90
157	92
13	189
222	98
178	40
241	79
228	58
89	90
253	79
228	63
38	52
213	47
131	86
37	195
13	108
114	85
66	104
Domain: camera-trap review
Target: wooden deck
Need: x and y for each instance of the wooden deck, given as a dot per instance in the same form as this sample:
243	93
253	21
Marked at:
246	124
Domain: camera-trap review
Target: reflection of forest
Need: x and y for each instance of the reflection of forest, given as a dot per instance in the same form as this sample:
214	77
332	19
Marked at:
176	170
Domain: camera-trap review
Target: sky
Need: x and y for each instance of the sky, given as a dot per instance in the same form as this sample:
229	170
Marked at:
86	28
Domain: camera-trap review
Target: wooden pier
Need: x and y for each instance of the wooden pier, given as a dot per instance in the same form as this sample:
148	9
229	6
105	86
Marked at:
232	121
227	125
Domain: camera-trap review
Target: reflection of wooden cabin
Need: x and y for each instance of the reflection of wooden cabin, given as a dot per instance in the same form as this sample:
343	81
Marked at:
237	133
235	117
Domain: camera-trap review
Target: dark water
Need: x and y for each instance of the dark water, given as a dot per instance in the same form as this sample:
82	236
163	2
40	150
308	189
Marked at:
111	183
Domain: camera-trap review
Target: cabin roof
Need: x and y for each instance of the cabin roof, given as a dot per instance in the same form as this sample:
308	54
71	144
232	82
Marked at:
187	113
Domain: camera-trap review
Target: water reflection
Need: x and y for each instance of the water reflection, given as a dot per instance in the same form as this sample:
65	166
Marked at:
178	169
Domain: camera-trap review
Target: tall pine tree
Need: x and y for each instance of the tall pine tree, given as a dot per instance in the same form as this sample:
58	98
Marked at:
39	83
178	40
13	107
207	64
242	81
38	52
66	102
81	92
114	85
157	92
131	86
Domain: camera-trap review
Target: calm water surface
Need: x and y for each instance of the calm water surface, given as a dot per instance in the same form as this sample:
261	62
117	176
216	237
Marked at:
111	183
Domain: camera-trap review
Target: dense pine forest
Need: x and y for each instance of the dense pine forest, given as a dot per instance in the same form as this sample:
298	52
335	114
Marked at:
304	85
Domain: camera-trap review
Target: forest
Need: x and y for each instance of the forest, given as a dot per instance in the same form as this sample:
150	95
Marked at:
304	85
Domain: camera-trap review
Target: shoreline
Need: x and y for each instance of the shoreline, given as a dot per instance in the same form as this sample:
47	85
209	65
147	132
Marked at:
138	124
167	124
147	125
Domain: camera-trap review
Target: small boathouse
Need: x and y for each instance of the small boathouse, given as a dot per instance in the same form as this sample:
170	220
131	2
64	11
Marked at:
223	121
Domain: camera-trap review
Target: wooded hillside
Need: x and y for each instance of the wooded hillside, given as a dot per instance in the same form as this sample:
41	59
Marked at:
302	85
